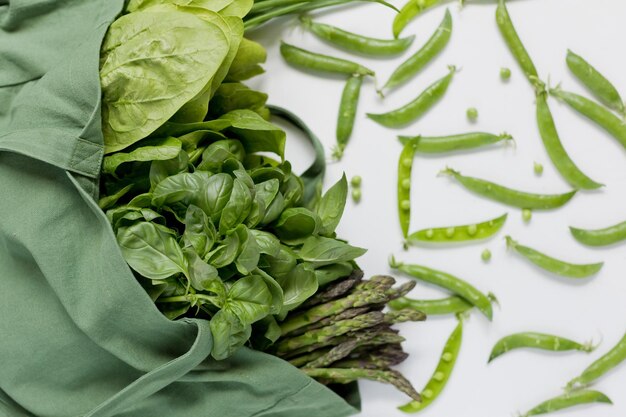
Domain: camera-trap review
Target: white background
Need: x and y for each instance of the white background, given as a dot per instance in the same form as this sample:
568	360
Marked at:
531	300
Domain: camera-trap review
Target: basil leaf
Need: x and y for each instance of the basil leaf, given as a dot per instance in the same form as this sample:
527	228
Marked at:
159	149
183	188
202	276
298	285
214	156
215	195
190	141
143	87
160	170
249	299
277	292
321	251
330	273
331	206
273	211
249	254
237	208
225	253
110	200
295	225
282	263
151	250
263	174
292	189
229	334
256	134
200	234
267	242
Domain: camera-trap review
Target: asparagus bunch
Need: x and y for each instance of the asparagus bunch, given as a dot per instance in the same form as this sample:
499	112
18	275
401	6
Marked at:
342	334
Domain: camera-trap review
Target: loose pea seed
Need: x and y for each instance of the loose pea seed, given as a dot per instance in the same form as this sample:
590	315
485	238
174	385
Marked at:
527	215
472	229
472	114
538	168
356	195
486	255
406	184
505	73
356	181
405	204
450	232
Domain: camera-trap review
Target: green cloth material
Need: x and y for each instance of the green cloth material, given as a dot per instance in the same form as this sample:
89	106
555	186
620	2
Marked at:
78	334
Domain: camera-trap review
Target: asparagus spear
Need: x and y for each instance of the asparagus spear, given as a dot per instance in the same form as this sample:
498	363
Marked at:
381	357
401	316
347	314
334	290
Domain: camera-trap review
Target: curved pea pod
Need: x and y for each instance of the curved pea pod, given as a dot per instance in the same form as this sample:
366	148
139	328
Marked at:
567	401
594	112
595	82
442	373
449	282
534	340
417	107
408	12
553	265
354	42
449	305
513	41
324	63
510	196
416	62
405	167
552	143
454	143
604	364
347	113
463	233
600	237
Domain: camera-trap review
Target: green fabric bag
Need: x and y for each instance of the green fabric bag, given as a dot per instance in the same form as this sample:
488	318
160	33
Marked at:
78	335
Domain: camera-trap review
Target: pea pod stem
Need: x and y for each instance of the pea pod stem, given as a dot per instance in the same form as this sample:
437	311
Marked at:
442	279
568	400
595	112
475	231
416	62
601	366
417	107
559	157
600	237
510	196
536	340
459	142
435	386
554	265
308	60
354	42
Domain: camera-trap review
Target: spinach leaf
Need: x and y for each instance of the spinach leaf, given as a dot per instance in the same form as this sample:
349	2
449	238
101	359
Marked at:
246	62
143	87
191	141
331	206
214	5
256	134
170	128
200	234
237	208
295	225
159	149
237	8
229	334
235	96
151	250
110	200
321	251
160	170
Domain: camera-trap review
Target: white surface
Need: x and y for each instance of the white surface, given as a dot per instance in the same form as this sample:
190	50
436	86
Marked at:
531	299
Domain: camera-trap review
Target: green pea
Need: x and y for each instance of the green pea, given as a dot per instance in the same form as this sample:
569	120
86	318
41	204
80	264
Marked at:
460	233
472	114
429	233
450	232
472	229
407	162
538	168
527	215
356	195
405	205
505	73
486	255
356	181
406	184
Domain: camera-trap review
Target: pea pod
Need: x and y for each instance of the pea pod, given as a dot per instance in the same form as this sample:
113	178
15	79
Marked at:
324	63
567	401
453	143
594	112
600	237
347	113
553	265
449	305
442	373
354	42
463	233
405	166
604	364
408	12
561	160
510	196
513	41
421	58
535	340
449	282
599	86
417	107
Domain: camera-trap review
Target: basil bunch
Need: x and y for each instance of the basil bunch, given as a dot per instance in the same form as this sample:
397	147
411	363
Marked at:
211	225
